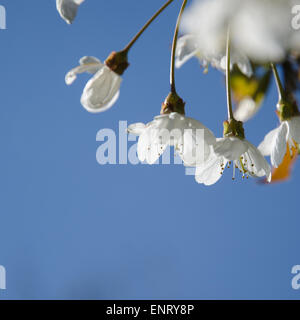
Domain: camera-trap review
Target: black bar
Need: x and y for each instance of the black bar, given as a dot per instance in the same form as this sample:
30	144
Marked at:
154	309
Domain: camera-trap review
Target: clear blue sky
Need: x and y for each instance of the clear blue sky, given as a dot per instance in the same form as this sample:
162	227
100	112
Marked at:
70	228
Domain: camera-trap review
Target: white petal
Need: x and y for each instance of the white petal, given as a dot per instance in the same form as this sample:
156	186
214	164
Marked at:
230	148
136	128
149	148
142	146
154	153
172	129
246	109
266	146
155	137
194	142
89	60
294	128
257	164
208	20
210	172
257	31
279	145
254	27
87	64
243	63
196	146
238	59
186	49
102	91
68	9
169	128
195	124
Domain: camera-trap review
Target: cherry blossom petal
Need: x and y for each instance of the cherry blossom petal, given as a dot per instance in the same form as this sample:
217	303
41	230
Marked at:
266	146
68	9
279	145
210	172
257	164
246	109
294	128
136	128
186	49
86	64
230	148
102	91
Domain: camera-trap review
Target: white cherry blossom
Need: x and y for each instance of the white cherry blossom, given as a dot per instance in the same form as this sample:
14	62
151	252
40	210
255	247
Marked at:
102	90
276	141
262	29
188	48
68	9
189	137
243	155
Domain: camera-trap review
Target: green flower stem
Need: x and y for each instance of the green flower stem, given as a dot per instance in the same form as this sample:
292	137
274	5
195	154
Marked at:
228	79
133	41
278	82
174	46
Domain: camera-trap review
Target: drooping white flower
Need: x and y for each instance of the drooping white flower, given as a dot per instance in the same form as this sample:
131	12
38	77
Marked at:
68	9
189	137
260	28
244	156
187	48
276	141
102	90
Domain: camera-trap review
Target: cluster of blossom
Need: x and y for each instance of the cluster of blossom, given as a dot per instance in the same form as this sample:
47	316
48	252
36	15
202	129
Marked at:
238	37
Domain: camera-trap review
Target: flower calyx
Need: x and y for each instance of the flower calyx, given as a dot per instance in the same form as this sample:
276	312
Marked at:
233	128
118	62
287	110
173	103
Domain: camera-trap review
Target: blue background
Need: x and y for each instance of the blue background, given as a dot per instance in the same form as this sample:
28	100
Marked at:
72	229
